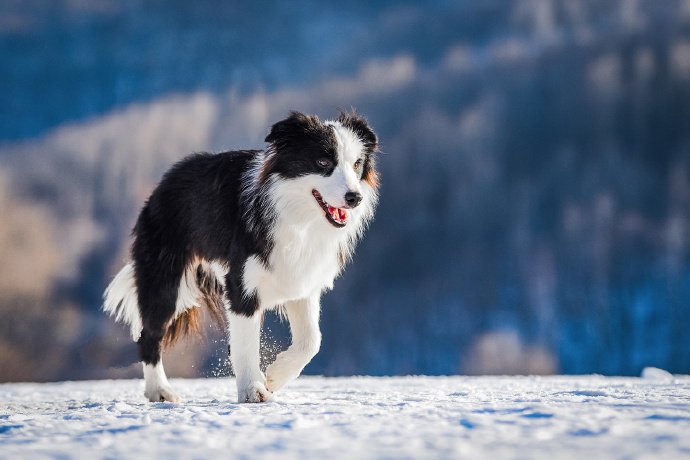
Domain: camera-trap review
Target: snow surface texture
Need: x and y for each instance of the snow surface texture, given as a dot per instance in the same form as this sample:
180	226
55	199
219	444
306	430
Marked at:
357	417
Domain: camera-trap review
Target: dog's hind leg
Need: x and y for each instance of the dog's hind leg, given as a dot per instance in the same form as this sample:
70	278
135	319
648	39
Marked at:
157	388
157	293
306	340
144	300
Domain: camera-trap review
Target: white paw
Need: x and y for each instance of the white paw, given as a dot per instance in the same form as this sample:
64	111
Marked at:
274	381
254	393
284	369
271	384
161	394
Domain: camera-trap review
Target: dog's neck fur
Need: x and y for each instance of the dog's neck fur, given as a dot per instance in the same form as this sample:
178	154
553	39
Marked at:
259	213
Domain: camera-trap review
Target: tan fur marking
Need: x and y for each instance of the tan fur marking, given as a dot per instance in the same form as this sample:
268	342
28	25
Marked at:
189	322
184	325
371	178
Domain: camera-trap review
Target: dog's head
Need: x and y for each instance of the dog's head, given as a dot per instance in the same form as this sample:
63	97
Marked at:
328	163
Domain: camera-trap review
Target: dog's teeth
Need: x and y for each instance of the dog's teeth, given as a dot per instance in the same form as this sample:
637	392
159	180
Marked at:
337	215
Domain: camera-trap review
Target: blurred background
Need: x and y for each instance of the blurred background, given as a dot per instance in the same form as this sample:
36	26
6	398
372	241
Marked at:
535	201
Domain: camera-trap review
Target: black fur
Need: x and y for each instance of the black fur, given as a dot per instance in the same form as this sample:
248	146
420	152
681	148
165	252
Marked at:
195	211
302	141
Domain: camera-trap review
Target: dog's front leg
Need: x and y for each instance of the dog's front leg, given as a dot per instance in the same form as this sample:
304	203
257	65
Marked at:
306	340
245	333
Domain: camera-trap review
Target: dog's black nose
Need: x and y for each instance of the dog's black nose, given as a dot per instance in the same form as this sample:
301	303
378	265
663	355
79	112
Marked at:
353	199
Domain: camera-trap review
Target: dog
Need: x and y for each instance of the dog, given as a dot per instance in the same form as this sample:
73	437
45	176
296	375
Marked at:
243	232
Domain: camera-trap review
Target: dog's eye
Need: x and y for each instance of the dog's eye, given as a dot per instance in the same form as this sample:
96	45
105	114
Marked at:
357	165
324	163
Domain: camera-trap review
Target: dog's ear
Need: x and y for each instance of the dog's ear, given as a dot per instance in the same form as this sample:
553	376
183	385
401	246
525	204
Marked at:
359	126
293	126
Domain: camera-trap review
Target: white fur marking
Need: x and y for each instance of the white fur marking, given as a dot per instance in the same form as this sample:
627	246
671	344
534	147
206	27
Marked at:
188	292
253	275
120	300
219	270
349	148
157	387
245	334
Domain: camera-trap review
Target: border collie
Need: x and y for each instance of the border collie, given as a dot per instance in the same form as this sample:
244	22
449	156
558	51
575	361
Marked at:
243	232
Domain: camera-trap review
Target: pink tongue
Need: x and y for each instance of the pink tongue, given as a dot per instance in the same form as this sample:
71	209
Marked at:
338	215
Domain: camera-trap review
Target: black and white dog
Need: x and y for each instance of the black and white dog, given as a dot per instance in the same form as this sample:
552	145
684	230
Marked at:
243	232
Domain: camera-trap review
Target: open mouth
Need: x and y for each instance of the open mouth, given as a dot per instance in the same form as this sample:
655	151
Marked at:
336	216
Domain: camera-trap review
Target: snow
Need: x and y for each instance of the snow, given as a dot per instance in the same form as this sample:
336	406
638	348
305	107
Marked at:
654	373
355	417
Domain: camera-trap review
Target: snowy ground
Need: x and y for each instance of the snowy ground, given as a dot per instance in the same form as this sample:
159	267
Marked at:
406	417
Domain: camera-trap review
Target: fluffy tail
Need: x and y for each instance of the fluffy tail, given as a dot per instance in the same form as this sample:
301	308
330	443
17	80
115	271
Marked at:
201	285
120	300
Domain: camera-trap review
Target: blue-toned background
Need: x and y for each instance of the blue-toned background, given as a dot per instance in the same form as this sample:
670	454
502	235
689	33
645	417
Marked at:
535	209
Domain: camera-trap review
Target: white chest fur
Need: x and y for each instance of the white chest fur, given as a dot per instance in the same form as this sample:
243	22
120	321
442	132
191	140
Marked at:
304	261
